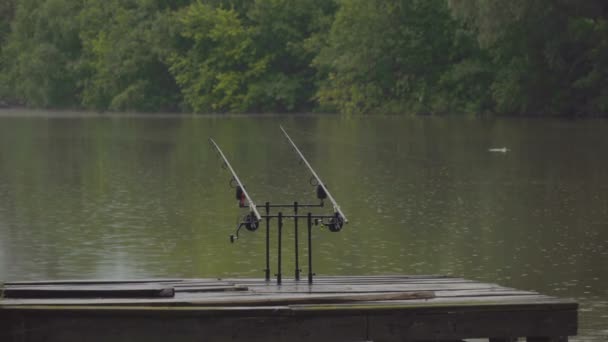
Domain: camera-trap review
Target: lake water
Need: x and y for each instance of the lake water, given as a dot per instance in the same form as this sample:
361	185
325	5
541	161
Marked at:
127	196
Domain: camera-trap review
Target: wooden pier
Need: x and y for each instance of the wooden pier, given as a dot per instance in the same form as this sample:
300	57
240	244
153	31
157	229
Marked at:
357	308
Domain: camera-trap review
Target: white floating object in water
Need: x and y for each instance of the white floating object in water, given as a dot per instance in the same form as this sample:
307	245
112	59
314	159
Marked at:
499	149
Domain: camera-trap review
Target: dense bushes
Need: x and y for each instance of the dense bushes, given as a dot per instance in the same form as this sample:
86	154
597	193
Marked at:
516	57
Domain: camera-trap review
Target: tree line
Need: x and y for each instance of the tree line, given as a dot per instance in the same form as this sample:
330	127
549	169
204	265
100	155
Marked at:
517	57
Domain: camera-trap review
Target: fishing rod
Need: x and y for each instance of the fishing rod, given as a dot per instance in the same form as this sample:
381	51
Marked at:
252	220
336	222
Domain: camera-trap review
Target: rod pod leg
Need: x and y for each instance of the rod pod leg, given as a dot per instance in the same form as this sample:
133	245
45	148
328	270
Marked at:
309	222
279	280
267	270
295	222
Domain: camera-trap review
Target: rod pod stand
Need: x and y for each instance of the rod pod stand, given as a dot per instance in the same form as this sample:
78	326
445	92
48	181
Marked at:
295	206
251	221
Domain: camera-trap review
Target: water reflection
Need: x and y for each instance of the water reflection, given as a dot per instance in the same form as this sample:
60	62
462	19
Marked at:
111	197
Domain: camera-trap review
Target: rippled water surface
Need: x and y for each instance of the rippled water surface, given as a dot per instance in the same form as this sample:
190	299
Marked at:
130	196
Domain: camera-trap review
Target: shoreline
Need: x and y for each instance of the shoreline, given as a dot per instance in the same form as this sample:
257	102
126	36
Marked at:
25	112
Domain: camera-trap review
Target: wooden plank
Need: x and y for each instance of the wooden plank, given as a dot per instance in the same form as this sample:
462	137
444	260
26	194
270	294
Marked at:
500	303
471	324
98	281
384	276
312	299
226	300
143	309
89	291
321	280
202	300
351	279
412	307
201	284
111	326
287	282
99	325
336	281
484	293
370	288
439	294
210	288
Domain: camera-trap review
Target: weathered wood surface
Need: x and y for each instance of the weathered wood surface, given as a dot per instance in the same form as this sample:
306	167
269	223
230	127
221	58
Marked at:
378	308
87	291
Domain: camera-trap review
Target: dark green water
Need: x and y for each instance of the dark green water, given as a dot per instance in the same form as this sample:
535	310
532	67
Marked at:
124	197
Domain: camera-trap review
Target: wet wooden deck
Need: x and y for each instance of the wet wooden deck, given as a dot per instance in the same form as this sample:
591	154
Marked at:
358	308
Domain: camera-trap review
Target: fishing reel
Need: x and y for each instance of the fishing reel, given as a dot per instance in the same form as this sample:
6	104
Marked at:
335	223
250	222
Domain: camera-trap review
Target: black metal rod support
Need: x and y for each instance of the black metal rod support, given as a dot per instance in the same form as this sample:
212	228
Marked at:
279	249
320	205
310	274
306	205
295	223
299	216
267	270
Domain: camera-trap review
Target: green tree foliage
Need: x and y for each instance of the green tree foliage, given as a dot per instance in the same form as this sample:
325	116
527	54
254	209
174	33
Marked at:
251	57
286	31
7	12
518	57
393	56
214	72
124	46
549	56
42	52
